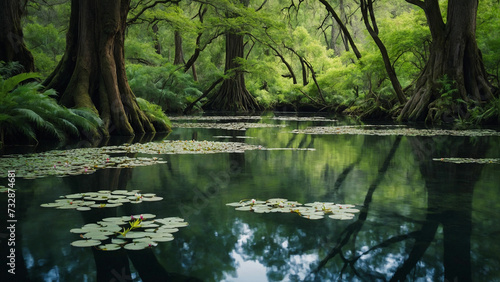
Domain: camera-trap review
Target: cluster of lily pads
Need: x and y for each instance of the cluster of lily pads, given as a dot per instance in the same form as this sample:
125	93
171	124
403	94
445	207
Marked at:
189	147
68	162
218	118
226	126
88	160
215	118
468	160
393	130
316	210
101	199
136	232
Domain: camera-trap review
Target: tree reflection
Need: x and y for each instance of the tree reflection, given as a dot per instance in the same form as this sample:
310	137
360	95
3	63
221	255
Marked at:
450	189
353	229
449	204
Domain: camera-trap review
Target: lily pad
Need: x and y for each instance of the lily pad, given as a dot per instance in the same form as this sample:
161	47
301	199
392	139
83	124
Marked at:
313	217
342	216
113	219
95	236
51	205
136	246
244	208
162	238
165	230
85	243
152	199
109	247
118	241
79	230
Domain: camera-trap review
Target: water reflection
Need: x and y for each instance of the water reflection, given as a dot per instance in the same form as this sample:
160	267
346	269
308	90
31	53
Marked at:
450	193
449	204
420	219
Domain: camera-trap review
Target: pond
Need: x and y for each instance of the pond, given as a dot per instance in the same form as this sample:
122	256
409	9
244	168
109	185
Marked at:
424	214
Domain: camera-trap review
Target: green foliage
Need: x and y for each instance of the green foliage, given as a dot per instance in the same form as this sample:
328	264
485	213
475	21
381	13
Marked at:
140	49
407	37
10	69
167	86
46	43
480	114
360	87
28	110
154	112
45	28
445	103
488	37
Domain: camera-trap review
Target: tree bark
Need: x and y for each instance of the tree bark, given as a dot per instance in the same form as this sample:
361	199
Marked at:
453	54
233	94
179	54
156	38
12	47
92	74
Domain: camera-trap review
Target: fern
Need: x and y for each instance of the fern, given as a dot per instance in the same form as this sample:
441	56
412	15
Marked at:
9	84
10	69
28	110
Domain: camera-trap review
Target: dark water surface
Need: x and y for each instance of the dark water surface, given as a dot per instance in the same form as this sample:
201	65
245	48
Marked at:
420	219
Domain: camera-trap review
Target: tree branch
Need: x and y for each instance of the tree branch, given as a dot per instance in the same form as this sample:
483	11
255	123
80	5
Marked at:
205	94
330	9
418	3
262	5
136	17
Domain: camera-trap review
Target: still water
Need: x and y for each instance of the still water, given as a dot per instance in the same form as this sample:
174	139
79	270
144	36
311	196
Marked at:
420	220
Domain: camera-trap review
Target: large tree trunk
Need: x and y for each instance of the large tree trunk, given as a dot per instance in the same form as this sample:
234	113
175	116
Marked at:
12	47
233	94
92	74
179	53
455	57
